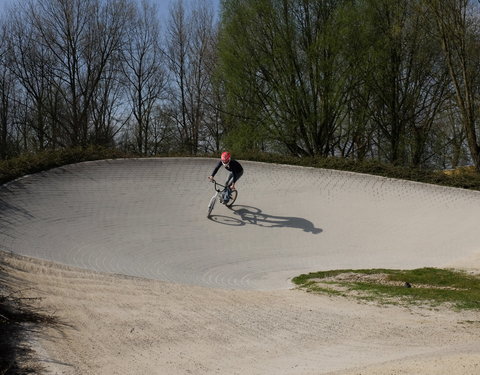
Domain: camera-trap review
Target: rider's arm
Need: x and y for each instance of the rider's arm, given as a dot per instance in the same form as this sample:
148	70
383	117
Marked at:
215	170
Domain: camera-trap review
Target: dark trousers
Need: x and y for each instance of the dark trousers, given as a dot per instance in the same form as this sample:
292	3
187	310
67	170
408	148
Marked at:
229	181
230	178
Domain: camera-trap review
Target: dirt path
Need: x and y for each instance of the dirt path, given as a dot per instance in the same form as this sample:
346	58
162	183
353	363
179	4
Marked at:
123	325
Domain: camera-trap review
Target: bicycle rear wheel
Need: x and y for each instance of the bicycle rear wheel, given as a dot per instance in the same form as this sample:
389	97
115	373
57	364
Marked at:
233	197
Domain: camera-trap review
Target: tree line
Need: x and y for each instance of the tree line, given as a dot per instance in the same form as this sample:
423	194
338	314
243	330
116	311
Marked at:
390	80
108	72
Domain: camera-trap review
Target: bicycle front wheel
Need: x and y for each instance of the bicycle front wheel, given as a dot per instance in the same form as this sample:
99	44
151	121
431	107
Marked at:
211	205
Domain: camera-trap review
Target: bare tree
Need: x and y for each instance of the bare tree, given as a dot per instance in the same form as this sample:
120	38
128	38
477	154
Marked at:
190	41
82	36
178	40
109	112
215	101
200	77
144	73
6	100
30	61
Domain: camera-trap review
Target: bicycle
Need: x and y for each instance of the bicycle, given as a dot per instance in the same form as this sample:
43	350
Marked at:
220	191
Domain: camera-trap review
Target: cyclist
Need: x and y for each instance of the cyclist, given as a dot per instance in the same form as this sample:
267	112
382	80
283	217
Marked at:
235	169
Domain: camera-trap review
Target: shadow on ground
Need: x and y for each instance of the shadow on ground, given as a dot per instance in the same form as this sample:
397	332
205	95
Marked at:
255	216
21	320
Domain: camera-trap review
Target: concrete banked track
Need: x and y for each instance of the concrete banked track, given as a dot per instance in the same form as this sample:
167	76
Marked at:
147	218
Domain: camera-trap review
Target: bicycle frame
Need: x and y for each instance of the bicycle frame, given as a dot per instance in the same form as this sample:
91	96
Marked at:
219	188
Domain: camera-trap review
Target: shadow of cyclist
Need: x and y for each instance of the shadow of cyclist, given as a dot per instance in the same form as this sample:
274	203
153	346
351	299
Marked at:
253	215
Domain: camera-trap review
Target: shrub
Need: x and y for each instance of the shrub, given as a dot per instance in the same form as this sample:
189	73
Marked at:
32	163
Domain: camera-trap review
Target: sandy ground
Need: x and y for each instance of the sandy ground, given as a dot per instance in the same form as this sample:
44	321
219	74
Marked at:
122	325
123	254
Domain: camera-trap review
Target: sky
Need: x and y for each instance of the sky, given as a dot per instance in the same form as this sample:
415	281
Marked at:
3	5
163	5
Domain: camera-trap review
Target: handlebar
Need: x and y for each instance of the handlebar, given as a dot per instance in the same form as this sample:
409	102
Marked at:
217	184
222	186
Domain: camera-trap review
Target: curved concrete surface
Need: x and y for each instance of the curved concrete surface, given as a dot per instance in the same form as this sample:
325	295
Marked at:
147	218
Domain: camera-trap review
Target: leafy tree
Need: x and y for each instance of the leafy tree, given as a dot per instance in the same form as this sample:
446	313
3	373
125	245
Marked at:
284	73
404	81
458	30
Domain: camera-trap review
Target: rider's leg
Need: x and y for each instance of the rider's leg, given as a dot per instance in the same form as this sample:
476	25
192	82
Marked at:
228	182
230	179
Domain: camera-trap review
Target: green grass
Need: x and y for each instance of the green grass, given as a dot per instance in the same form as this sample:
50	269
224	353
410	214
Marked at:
430	286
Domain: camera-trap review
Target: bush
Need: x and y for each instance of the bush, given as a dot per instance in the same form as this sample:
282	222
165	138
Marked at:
464	178
33	163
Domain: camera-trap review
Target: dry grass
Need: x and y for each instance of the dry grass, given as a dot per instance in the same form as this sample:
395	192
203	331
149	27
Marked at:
20	320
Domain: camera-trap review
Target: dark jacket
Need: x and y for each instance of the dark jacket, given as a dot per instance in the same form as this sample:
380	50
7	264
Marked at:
234	167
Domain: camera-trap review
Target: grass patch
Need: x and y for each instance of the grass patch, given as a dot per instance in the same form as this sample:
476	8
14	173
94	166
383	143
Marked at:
424	286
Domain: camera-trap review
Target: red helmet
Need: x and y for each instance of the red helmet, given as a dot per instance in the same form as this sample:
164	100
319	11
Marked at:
226	156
